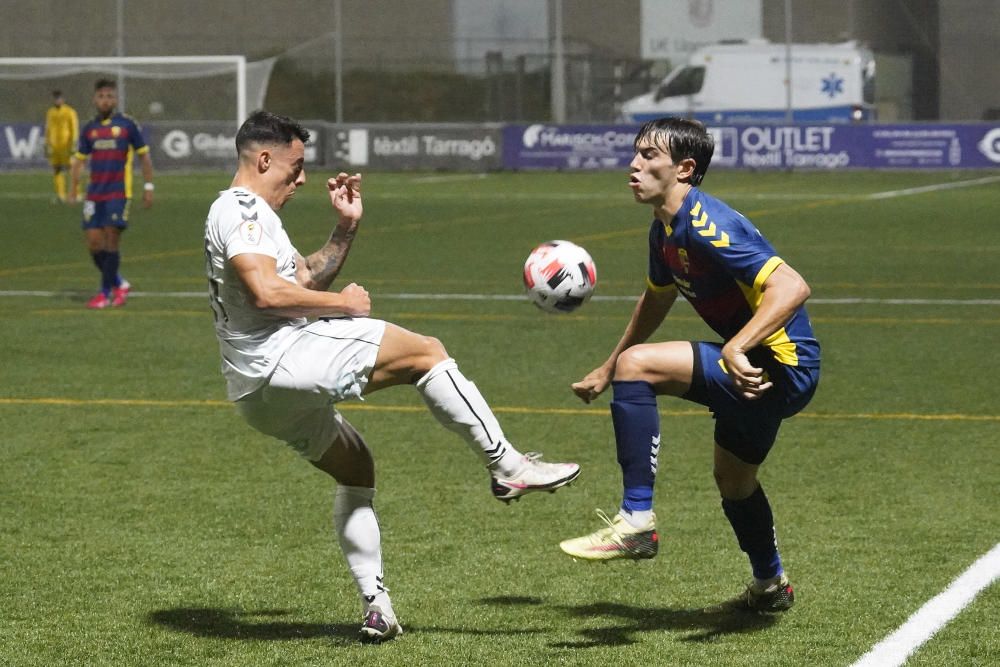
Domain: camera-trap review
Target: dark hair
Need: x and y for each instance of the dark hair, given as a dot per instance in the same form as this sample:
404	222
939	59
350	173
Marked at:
683	139
105	83
264	127
57	93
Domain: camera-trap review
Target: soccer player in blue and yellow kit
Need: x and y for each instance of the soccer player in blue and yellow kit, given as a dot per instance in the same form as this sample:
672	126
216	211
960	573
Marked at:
62	127
110	140
765	369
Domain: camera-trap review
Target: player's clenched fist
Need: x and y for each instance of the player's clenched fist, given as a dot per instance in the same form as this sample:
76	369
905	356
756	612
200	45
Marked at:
357	303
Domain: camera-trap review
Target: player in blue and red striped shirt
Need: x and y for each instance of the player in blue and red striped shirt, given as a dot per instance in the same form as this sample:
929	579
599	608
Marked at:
110	140
764	369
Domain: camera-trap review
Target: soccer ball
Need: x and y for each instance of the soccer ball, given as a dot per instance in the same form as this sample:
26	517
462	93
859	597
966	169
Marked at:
559	276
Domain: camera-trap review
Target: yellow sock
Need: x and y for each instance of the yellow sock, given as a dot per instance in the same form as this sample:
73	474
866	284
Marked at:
59	180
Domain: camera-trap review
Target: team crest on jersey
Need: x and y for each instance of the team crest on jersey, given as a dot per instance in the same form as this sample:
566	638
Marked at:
250	232
682	256
116	131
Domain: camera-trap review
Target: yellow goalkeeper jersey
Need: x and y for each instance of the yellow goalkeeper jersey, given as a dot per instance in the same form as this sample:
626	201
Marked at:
61	127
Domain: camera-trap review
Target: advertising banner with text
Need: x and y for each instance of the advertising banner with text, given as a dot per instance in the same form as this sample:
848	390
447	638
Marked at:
182	144
426	148
480	148
22	146
211	144
937	146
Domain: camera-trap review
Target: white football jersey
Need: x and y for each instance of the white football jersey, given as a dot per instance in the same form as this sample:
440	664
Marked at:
251	341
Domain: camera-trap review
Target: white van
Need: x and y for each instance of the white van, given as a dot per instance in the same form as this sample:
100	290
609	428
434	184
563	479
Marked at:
740	82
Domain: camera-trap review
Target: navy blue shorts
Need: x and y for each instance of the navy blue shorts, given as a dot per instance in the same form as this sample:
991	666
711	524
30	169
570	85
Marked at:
110	213
748	428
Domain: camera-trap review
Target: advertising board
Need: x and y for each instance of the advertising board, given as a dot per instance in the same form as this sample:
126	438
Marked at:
567	146
208	144
22	146
930	146
480	148
426	148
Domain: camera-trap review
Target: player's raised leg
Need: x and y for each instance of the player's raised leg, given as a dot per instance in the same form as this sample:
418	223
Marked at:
641	373
408	358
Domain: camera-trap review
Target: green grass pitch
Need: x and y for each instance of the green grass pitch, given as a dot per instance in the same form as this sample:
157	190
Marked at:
143	523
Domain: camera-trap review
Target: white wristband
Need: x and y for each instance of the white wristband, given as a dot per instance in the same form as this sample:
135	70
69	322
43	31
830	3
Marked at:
148	187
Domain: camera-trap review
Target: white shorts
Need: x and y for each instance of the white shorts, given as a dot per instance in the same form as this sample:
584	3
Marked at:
330	361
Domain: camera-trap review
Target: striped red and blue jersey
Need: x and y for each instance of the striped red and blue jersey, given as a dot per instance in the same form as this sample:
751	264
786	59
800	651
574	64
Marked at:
110	143
719	262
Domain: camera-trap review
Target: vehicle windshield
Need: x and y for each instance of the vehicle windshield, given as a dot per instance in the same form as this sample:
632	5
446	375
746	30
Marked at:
687	81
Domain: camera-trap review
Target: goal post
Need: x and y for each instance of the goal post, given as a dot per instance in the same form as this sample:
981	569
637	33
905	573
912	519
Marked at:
149	85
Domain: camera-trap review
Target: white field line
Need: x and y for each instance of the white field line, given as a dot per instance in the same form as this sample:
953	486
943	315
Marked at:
406	296
583	196
448	178
472	196
888	194
939	610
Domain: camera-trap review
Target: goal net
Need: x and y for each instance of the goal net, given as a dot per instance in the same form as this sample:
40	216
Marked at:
163	88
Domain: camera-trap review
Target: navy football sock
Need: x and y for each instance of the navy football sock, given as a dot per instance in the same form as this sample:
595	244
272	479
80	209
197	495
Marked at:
109	271
753	523
637	436
100	260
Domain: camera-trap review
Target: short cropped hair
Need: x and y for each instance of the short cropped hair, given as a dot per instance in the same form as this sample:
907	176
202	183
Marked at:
105	83
264	127
56	93
683	139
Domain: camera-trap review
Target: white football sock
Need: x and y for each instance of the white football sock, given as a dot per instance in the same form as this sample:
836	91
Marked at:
360	539
763	585
637	519
458	405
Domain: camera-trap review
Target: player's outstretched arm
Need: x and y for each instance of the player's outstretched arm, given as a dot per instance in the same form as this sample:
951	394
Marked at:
273	294
318	270
648	314
784	292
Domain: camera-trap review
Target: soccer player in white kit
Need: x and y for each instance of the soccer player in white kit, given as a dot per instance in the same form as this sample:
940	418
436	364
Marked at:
291	349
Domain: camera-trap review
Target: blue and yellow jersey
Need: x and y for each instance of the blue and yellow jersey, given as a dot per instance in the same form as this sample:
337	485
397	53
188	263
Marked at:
719	261
111	143
61	127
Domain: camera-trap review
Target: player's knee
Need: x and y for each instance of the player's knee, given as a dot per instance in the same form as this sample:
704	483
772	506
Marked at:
436	348
431	352
348	459
724	483
733	486
632	364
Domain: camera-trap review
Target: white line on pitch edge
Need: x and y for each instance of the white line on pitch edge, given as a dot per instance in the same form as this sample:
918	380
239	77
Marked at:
897	647
578	196
410	296
888	194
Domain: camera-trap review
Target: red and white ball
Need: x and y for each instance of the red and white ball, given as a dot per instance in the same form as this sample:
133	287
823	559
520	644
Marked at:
559	276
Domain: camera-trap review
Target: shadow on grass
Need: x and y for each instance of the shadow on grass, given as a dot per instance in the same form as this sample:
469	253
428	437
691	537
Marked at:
258	625
704	625
217	623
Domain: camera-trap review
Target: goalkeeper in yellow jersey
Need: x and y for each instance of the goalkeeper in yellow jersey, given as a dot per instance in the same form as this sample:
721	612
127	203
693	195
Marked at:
62	129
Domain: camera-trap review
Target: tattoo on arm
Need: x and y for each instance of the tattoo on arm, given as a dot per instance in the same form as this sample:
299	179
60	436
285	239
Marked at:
318	270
